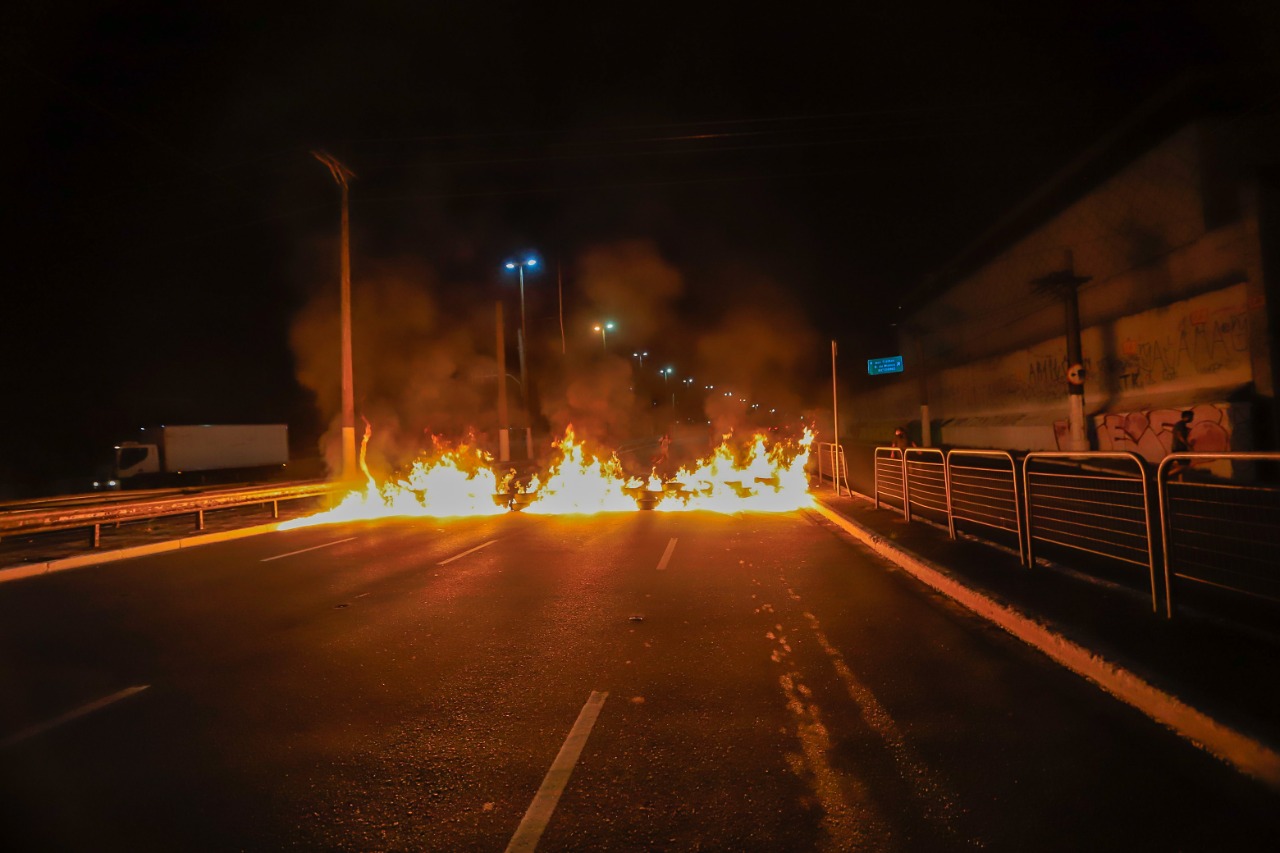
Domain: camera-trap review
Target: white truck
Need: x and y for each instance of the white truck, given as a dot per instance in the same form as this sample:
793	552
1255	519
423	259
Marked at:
203	453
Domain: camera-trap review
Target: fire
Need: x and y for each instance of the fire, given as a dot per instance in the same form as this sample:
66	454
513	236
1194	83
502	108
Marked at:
758	476
459	481
580	483
766	478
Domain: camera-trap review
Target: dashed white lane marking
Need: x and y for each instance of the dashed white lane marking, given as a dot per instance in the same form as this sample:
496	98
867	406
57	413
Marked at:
544	802
305	550
666	555
97	704
465	553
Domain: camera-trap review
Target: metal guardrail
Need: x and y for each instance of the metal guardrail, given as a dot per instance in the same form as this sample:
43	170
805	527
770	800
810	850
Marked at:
833	454
48	520
1104	509
1222	532
890	478
983	489
925	483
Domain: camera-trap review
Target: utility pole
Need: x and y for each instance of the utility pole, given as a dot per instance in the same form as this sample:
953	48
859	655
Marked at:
835	423
504	435
1065	284
342	175
560	293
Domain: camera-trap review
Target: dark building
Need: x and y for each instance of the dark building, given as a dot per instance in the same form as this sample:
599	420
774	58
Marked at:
1169	227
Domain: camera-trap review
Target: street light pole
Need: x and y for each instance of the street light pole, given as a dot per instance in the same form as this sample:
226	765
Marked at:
560	294
342	175
522	337
524	327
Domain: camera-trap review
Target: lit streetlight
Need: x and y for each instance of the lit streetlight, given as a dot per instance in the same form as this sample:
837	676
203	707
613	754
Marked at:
640	355
666	374
604	328
520	265
523	339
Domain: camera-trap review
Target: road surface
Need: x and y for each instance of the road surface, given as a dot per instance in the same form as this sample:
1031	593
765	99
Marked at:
639	681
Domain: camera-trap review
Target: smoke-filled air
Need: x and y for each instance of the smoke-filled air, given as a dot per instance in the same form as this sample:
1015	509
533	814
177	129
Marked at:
610	423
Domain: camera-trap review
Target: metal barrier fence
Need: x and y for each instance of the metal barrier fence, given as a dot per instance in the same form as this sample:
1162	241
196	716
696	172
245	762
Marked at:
1222	531
925	484
833	455
983	489
1220	528
1098	504
890	480
96	514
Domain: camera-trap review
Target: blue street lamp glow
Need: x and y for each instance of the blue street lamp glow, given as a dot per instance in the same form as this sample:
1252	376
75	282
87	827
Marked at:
520	265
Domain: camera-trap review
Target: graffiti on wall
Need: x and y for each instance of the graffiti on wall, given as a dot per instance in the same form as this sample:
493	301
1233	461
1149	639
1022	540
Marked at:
1203	342
1149	433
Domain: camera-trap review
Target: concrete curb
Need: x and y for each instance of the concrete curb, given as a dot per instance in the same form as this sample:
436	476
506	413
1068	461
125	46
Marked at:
79	561
1246	754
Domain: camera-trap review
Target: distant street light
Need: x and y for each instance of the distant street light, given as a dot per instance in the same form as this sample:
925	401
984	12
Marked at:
603	329
342	175
640	355
666	373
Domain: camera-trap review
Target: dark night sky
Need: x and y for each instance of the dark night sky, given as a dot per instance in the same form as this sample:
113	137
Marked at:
166	222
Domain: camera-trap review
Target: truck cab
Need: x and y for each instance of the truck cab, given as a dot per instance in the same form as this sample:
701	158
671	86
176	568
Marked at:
134	458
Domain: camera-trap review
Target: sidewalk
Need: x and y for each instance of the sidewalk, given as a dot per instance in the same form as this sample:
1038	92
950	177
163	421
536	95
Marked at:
1227	672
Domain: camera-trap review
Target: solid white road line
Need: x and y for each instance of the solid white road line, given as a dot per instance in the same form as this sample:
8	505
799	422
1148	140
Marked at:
465	553
1247	754
544	802
305	550
41	728
666	555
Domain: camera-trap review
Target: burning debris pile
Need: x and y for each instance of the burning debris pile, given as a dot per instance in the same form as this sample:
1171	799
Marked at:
758	475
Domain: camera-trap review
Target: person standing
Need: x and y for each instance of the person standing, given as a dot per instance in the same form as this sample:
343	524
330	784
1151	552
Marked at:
1181	444
1182	433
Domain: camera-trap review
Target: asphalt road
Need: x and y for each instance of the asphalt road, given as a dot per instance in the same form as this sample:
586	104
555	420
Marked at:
715	683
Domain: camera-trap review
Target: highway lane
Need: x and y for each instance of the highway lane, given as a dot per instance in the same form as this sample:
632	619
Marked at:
409	684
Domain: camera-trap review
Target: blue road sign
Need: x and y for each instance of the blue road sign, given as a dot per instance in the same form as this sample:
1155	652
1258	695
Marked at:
892	364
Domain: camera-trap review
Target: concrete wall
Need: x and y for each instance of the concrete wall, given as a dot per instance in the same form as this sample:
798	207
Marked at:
1174	317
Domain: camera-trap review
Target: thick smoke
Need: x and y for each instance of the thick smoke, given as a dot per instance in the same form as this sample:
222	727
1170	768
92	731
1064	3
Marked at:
759	355
425	372
419	371
594	388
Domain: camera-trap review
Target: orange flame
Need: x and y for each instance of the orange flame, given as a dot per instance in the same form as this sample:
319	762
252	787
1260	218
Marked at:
579	482
767	479
458	482
758	476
